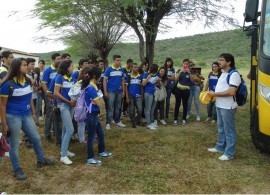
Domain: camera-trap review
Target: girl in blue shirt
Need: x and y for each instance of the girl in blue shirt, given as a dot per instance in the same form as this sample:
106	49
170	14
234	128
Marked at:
150	80
211	85
18	112
93	125
63	83
170	72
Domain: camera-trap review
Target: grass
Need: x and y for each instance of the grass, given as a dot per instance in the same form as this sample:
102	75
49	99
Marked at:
173	159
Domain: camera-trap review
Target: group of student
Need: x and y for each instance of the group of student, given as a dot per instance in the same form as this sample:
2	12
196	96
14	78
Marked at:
129	89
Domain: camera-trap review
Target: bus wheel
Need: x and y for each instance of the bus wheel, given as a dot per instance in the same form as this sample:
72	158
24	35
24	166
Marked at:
260	140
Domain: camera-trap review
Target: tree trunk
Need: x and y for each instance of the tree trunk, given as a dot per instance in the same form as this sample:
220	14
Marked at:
141	42
150	39
104	56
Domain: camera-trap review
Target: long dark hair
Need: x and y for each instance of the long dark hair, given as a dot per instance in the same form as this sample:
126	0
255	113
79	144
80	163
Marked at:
83	72
92	73
37	71
165	63
153	68
63	68
14	71
219	69
164	78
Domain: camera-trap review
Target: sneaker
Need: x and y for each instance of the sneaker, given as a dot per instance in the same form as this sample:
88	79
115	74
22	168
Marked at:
154	125
163	122
143	120
7	154
150	127
184	122
213	122
108	127
46	161
93	161
188	116
198	118
105	154
66	160
113	122
175	123
225	158
20	175
120	124
208	120
69	154
213	150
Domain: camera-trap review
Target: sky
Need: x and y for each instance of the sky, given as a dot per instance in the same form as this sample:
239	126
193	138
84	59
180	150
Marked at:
20	31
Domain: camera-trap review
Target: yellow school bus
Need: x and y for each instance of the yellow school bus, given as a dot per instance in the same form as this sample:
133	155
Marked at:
259	30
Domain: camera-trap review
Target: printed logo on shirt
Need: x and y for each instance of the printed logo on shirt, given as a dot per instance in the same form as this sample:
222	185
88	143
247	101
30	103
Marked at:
67	84
52	75
170	73
135	81
22	91
153	80
116	73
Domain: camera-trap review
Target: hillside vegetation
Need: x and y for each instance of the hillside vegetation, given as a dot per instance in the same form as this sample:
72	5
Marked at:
202	49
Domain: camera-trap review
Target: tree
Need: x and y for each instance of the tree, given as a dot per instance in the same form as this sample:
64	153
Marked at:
84	21
145	16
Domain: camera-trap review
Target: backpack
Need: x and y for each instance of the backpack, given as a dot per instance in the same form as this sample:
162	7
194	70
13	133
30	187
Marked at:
74	91
81	109
242	92
160	93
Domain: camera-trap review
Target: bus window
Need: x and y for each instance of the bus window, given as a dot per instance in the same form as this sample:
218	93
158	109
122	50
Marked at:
266	38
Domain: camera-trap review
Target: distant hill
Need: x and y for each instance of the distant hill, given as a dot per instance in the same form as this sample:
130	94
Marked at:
202	49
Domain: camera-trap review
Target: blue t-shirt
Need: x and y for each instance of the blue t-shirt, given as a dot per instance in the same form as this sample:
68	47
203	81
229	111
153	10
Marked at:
126	72
19	102
75	75
48	74
115	77
90	95
150	86
134	85
102	78
65	83
3	71
50	88
213	79
169	74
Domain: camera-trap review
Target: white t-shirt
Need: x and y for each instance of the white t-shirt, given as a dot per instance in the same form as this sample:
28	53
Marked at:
227	102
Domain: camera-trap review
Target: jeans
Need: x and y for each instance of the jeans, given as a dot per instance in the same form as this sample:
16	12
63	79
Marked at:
114	102
39	105
48	119
169	92
81	130
211	110
135	101
68	129
194	93
160	108
57	125
226	131
15	124
93	127
150	105
181	95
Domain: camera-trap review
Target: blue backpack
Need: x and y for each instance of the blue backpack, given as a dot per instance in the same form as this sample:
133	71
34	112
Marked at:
242	92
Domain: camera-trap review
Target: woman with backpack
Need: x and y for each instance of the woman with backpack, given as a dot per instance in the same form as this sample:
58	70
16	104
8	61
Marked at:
160	104
18	112
183	81
93	125
63	83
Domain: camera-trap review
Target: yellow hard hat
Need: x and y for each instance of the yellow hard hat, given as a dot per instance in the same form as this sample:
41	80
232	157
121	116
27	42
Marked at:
205	97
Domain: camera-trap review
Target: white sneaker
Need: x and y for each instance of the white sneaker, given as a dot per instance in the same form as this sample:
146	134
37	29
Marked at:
144	120
175	123
7	154
163	122
154	125
69	154
120	124
198	118
150	127
188	116
155	122
213	150
108	127
113	122
225	158
66	160
184	122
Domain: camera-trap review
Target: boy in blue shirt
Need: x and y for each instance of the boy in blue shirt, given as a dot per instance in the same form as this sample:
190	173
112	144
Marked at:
113	85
